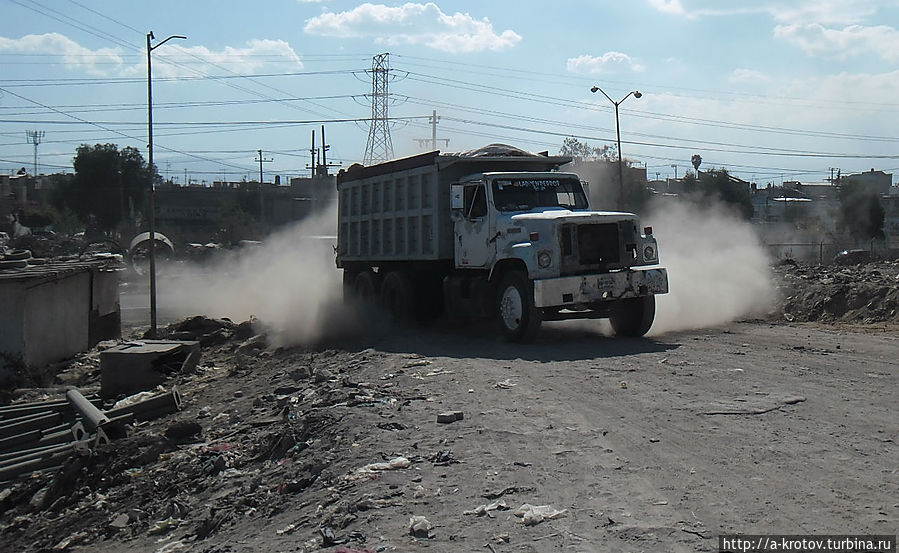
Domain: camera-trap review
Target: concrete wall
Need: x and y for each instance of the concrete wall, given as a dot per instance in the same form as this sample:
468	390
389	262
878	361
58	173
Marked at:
12	328
56	319
49	316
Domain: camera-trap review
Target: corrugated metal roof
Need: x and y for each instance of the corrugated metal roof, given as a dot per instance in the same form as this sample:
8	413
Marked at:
50	269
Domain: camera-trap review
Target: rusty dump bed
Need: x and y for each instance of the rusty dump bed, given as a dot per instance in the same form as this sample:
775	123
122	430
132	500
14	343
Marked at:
400	211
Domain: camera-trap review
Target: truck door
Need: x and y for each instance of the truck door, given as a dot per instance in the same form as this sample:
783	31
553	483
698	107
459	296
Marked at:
472	228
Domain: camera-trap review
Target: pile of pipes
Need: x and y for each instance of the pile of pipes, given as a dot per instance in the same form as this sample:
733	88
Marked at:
40	436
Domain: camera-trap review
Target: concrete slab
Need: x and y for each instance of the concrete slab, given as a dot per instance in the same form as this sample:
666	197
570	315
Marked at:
138	366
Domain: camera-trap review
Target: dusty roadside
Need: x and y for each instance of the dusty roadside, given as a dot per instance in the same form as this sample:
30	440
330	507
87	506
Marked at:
645	445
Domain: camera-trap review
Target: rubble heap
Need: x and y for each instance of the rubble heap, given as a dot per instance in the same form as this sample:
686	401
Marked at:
263	434
866	294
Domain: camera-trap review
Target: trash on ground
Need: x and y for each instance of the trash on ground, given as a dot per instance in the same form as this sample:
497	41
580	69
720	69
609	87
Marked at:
535	514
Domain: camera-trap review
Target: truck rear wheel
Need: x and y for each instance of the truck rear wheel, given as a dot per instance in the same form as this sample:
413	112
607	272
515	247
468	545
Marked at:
518	316
633	316
397	295
365	287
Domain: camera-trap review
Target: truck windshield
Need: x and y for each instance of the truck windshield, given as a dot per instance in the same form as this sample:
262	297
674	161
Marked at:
523	194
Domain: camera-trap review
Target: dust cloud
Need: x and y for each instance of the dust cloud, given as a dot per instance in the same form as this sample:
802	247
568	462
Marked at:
290	284
718	270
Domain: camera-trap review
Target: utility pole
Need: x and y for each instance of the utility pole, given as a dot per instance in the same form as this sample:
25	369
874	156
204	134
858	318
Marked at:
150	48
431	143
433	121
675	170
261	160
313	152
35	138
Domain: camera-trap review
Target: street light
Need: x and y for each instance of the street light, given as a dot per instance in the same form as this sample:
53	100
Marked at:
150	48
636	94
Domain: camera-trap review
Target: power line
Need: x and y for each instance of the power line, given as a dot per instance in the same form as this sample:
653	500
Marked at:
101	126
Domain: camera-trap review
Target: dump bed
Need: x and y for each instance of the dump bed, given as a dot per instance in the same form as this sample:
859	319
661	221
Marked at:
400	210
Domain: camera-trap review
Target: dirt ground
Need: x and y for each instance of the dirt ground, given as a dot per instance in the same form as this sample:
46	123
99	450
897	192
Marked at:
656	444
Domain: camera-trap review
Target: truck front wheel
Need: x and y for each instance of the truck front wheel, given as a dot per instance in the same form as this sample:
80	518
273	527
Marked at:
633	317
518	316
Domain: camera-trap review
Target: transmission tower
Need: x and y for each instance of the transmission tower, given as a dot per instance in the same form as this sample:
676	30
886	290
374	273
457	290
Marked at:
35	138
379	146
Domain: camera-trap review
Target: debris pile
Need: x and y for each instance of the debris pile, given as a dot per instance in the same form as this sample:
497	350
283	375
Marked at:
261	434
42	436
867	293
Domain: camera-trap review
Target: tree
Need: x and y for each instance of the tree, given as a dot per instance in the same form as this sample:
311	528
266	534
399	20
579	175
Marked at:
861	212
696	160
718	185
38	217
108	184
582	151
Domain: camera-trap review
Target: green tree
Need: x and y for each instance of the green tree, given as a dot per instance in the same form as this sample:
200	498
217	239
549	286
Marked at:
718	185
236	223
38	217
861	212
108	183
582	151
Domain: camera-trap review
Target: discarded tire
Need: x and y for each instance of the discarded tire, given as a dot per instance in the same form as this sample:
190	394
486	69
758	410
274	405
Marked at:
17	255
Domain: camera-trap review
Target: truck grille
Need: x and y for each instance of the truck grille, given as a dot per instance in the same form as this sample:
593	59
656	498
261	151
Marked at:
598	243
591	247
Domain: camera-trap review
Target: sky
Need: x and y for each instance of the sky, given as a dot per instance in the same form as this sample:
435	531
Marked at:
770	90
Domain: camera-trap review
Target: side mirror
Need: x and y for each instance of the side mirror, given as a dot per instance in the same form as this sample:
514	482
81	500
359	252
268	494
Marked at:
457	196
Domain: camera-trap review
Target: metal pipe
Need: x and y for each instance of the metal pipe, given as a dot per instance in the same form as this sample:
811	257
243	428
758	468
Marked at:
32	422
60	437
23	409
93	417
153	407
10	443
13	454
13	471
32	454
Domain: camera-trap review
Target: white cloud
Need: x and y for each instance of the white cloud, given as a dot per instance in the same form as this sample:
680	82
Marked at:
748	76
95	62
823	11
854	40
669	6
252	58
783	11
610	61
416	24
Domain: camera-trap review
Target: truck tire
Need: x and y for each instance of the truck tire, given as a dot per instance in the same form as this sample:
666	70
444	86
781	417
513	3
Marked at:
519	318
632	317
365	287
397	296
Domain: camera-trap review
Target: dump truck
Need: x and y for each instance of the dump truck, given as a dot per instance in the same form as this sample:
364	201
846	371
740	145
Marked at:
493	232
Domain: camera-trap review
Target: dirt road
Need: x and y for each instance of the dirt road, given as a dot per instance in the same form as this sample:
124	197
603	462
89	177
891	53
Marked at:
646	445
750	429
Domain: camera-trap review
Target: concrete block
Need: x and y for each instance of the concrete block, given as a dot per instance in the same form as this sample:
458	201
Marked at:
137	366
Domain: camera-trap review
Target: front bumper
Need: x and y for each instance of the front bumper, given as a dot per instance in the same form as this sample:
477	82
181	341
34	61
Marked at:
586	289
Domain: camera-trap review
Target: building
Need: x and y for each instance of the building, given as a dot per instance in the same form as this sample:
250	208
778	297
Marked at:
878	181
203	213
49	312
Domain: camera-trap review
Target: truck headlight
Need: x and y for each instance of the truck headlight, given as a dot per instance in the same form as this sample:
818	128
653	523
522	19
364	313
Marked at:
649	252
544	259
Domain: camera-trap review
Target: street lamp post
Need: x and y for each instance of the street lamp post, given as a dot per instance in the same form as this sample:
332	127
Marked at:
150	49
636	94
